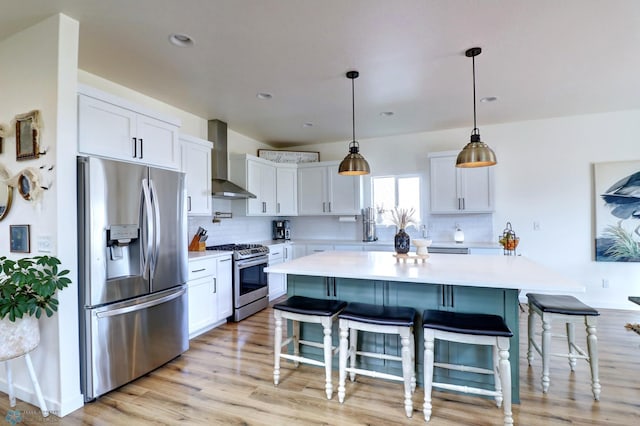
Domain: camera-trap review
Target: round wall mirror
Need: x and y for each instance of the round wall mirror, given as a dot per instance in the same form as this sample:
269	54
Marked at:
6	192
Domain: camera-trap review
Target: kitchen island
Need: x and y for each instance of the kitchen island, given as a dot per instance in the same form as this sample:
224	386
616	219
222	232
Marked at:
461	283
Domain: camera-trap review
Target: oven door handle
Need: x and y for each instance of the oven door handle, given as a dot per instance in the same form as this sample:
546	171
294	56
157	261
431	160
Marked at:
252	262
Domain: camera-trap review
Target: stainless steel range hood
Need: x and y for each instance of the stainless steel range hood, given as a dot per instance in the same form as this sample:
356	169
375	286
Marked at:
221	186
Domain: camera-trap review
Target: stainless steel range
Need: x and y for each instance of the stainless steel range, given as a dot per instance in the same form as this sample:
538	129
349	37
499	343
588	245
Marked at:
250	285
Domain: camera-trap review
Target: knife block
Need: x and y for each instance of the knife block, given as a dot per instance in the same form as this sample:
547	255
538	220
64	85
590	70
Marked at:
196	244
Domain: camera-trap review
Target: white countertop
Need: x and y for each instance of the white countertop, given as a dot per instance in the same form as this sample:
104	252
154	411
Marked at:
514	272
208	253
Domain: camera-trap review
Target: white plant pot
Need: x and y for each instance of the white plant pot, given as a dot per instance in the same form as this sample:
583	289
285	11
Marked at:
19	337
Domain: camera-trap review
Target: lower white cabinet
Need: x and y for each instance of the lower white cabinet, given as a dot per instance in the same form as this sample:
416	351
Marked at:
210	293
278	253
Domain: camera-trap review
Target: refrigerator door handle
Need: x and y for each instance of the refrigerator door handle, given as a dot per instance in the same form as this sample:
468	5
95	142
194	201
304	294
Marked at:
147	241
156	228
140	306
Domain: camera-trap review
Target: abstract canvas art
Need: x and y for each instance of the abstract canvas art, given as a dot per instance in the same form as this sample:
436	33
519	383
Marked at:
617	207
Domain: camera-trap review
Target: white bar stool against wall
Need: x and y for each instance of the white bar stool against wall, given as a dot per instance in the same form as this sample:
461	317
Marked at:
473	329
569	310
306	309
18	339
378	319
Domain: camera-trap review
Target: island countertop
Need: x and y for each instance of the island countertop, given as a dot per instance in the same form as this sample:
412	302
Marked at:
509	272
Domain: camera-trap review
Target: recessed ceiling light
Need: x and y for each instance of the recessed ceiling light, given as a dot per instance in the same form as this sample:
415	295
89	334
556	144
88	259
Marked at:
387	113
308	124
264	95
489	99
180	40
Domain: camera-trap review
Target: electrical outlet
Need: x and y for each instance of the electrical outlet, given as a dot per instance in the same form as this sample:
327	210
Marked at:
605	283
44	244
536	225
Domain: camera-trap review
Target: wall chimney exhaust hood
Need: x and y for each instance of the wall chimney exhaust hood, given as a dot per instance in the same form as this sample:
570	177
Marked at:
221	186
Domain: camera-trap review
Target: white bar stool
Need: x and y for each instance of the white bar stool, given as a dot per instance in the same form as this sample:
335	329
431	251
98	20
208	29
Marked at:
473	329
306	309
378	319
18	339
569	310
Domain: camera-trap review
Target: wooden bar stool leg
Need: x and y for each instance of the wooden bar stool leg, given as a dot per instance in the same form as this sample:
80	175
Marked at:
36	385
296	340
12	395
531	323
546	351
505	378
571	341
413	361
353	348
327	344
277	347
428	372
407	370
496	375
592	348
344	333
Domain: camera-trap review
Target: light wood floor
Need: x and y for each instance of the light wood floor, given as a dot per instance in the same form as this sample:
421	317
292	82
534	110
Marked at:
226	377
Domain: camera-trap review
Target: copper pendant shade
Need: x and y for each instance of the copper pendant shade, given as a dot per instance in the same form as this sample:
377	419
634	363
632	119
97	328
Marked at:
476	153
354	163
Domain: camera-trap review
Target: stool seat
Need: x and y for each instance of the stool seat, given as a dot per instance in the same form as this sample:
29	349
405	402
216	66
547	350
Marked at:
560	304
474	324
380	315
311	306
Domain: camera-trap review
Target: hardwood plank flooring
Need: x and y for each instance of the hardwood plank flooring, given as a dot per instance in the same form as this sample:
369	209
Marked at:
226	378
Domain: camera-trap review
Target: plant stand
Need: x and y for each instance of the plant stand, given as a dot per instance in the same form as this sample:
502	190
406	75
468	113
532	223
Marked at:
18	339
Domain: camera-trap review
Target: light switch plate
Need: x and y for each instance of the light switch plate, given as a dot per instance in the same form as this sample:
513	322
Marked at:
44	244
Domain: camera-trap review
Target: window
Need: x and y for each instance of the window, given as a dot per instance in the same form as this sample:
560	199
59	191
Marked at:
401	191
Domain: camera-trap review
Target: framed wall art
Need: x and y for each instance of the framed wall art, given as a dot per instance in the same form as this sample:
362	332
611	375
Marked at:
19	239
278	156
27	135
617	209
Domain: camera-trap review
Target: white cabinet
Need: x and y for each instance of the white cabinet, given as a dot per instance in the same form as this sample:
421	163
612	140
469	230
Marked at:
257	176
196	163
114	128
459	190
286	190
299	250
322	191
210	293
278	253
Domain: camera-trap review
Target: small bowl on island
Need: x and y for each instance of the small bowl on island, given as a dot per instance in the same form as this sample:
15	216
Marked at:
421	245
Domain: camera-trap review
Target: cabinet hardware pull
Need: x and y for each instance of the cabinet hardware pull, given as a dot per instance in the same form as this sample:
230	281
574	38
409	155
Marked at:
464	207
324	207
141	142
329	206
326	283
200	270
188	203
264	207
334	286
278	207
135	147
215	285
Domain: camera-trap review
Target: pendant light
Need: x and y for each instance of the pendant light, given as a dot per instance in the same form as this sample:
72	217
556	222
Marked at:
476	153
353	164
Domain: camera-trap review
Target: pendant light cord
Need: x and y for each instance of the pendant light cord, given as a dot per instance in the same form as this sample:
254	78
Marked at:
353	111
473	61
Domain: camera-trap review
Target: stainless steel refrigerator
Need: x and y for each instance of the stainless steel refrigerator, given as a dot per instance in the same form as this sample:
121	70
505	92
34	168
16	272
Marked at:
132	271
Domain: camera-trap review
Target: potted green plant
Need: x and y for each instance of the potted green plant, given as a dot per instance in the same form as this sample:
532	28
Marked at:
27	289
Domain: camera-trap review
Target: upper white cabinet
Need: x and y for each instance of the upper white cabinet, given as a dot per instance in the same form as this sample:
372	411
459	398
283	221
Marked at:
196	163
322	191
459	190
286	190
257	176
114	128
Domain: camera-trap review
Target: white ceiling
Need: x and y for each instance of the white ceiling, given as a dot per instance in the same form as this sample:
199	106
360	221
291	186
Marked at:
541	58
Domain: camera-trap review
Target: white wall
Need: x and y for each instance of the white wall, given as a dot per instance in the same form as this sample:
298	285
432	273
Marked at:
38	73
544	174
